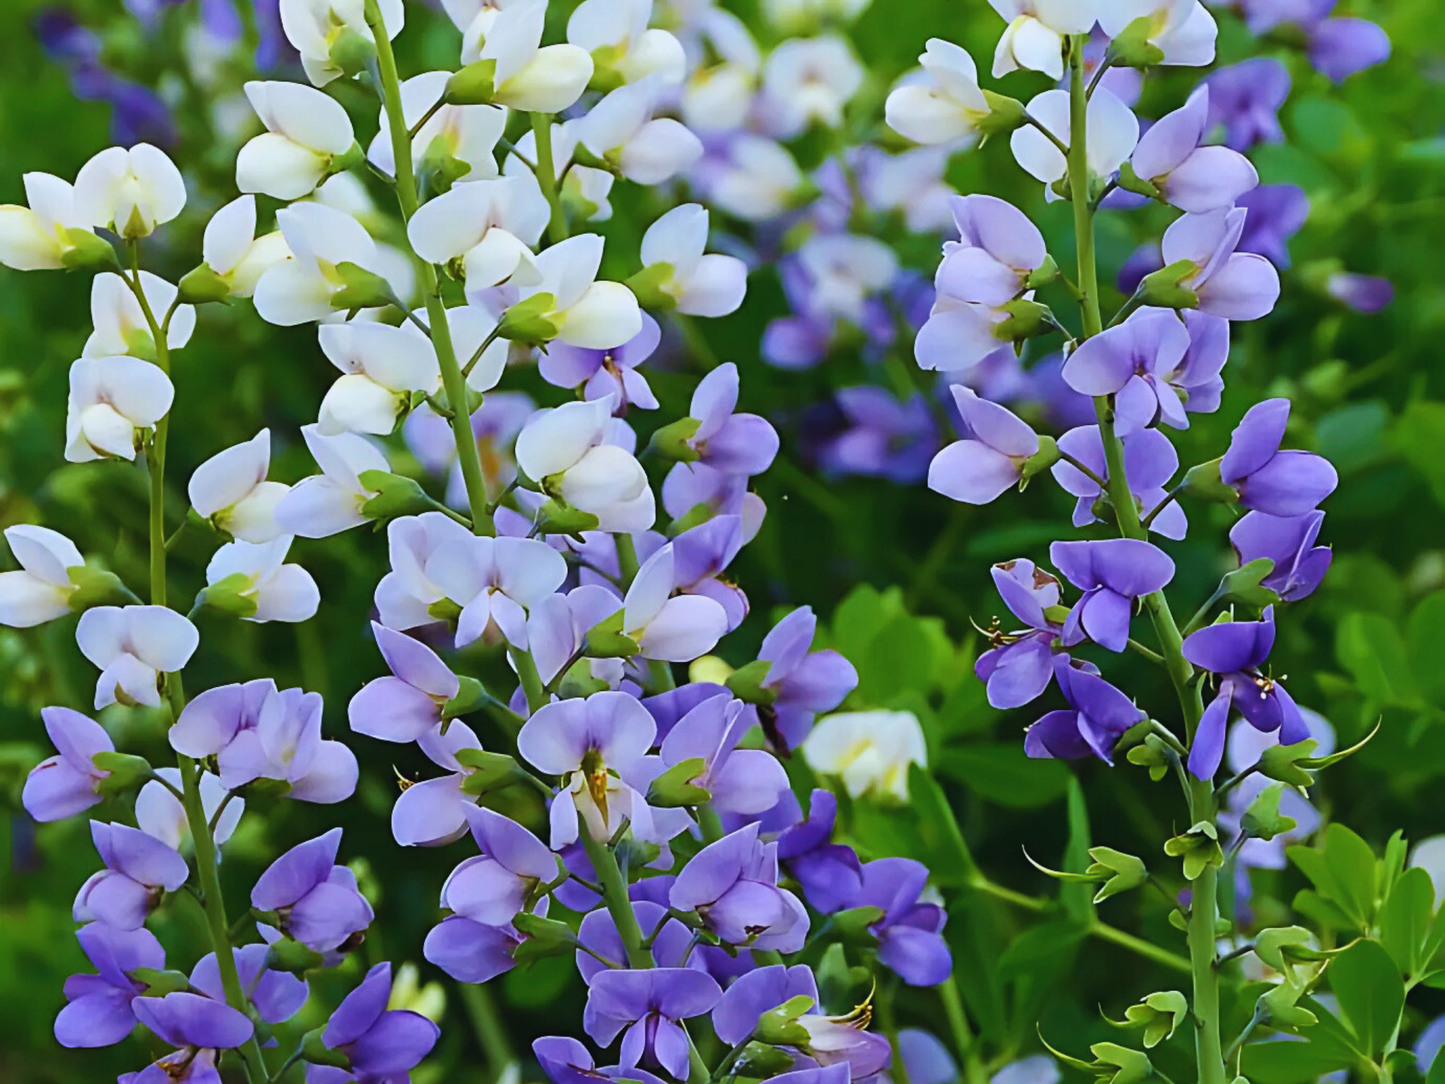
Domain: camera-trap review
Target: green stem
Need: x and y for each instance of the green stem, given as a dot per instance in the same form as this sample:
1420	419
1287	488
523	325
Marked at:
531	681
963	1038
1079	189
547	176
487	1023
452	379
1147	949
614	895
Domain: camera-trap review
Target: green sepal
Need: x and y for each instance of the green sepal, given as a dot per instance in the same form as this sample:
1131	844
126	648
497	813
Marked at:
579	682
140	344
526	321
351	51
555	517
1004	114
262	794
672	440
675	788
544	937
348	159
293	957
1026	319
159	983
1179	920
201	285
127	771
1164	288
96	587
1154	754
606	640
1245	585
1281	946
583	157
1047	455
360	288
1159	1014
780	1027
1118	871
1262	819
1278	1008
443	169
1130	181
1285	763
1132	47
473	85
88	252
649	285
759	1061
695	516
1115	1064
230	595
486	772
855	925
746	683
636	854
1042	275
1198	847
316	1052
471	695
394	495
1204	483
444	609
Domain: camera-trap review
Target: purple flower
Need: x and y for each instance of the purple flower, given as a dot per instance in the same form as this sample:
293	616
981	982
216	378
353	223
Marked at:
803	682
433	811
99	1011
1190	176
926	1058
606	372
1231	284
316	901
693	488
1288	541
139	869
383	1045
1149	462
667	708
277	996
1245	98
1236	650
743	781
1097	718
1158	366
505	878
649	1005
1276	213
759	992
979	468
829	873
701	555
1363	293
1278	483
470	951
566	1061
1338	48
1019	665
598	932
69	782
733	886
406	705
910	933
732	443
1112	574
198	1026
884	438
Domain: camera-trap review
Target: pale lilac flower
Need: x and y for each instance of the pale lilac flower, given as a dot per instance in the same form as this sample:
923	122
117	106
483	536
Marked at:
742	781
276	995
69	782
1288	541
408	704
1190	176
829	873
316	901
1234	285
1149	462
885	438
495	581
802	682
809	81
199	1026
649	1007
381	1045
730	442
910	933
760	991
668	627
139	870
990	460
1278	483
99	1008
1245	98
1276	213
159	813
1018	666
733	886
1112	573
613	371
133	646
505	878
433	811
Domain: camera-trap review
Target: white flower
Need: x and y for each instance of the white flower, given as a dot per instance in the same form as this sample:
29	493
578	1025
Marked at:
232	250
670	628
330	502
111	400
130	191
1036	32
230	489
718	97
1182	29
133	646
563	451
40	590
585	312
700	284
530	76
496	581
306	131
313	27
869	750
299	290
623	48
467	133
491	226
809	81
281	592
160	814
944	107
621	130
120	324
34	238
474	18
405	595
912	184
759	180
382	366
844	270
1113	132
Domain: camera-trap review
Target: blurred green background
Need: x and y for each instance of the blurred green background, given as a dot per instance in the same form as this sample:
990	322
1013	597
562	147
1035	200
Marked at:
1368	392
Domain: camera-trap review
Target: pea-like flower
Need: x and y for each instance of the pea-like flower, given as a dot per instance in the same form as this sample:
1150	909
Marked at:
1112	573
232	250
37	237
801	682
622	131
230	490
528	75
1182	30
409	703
1278	483
256	573
672	628
505	878
696	283
276	995
159	813
40	590
622	45
330	502
1189	176
578	309
649	1006
743	781
565	451
1149	462
1113	133
133	646
382	367
490	226
496	581
306	133
871	751
753	178
314	28
614	371
199	1027
809	81
727	441
733	886
910	933
1289	542
321	239
1018	665
380	1045
99	1008
991	459
757	992
130	191
829	873
315	900
69	782
119	322
463	133
946	105
1228	283
139	870
433	811
1036	31
1097	717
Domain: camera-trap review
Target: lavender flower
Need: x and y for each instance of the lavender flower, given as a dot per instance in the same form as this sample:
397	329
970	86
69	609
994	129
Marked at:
1288	541
1149	462
802	683
1018	666
1245	99
605	372
649	1006
829	873
1278	483
1097	718
69	782
1190	176
743	781
991	459
1276	213
756	993
99	1008
139	869
200	1027
910	933
315	901
1112	574
733	886
381	1045
403	707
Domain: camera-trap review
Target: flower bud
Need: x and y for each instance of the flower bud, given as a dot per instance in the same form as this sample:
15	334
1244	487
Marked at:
526	321
1199	847
1159	1014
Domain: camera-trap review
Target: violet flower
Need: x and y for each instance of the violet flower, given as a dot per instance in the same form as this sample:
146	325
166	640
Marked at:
691	490
598	932
405	706
1276	213
1288	541
1234	285
566	1061
1235	650
1245	99
650	1006
1368	294
733	886
470	951
69	782
1097	718
433	811
803	682
1188	175
732	443
741	781
829	873
700	556
605	372
884	438
200	1027
382	1045
505	878
1149	462
276	995
1278	483
910	933
759	992
99	1007
1337	47
139	870
316	901
1018	666
1112	573
990	459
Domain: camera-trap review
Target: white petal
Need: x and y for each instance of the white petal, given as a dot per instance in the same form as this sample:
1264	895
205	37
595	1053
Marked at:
554	440
229	235
553	80
279	167
289	594
228	477
606	315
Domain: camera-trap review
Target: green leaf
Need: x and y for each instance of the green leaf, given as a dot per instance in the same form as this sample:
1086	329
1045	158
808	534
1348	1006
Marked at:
1419	437
1370	648
952	862
1000	772
1370	992
1406	921
1424	633
1040	947
1343	871
1077	899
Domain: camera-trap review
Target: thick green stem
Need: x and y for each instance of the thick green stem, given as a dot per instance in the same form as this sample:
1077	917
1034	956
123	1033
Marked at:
614	896
547	177
452	379
1204	908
